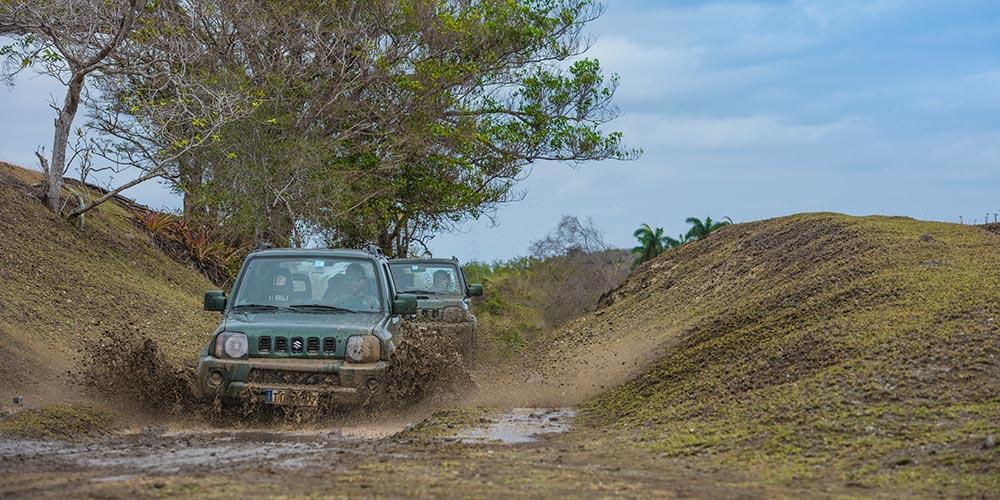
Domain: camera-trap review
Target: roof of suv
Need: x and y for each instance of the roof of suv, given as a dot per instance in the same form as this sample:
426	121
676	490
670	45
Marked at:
326	252
425	261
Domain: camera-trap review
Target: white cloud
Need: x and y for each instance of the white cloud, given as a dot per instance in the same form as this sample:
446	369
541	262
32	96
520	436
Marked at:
693	133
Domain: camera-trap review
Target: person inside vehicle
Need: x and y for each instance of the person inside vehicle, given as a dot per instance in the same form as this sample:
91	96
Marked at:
442	282
351	289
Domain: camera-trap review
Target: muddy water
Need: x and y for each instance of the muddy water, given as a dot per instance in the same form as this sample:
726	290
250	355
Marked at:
519	425
124	457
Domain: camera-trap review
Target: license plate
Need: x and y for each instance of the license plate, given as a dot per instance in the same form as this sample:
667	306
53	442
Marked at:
291	398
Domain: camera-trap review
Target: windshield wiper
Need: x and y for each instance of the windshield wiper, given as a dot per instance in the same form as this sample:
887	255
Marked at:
321	307
259	307
423	292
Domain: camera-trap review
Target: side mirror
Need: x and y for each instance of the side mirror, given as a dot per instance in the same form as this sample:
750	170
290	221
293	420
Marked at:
476	290
215	300
405	304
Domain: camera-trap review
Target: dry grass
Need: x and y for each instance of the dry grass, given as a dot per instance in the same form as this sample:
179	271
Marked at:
62	288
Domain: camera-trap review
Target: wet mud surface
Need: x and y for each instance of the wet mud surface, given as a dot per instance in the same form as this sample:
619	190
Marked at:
519	452
158	451
519	425
175	452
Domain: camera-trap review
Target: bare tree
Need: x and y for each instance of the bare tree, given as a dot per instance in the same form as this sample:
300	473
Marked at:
574	267
141	71
67	40
571	235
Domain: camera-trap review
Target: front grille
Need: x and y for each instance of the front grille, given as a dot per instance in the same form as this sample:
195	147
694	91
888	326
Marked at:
310	345
430	313
284	377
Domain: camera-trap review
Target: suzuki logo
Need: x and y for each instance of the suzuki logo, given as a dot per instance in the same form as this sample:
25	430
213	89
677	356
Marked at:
297	345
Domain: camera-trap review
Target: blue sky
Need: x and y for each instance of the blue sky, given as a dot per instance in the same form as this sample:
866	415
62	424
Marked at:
750	109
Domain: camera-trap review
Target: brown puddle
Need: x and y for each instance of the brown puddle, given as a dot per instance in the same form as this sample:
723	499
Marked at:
519	425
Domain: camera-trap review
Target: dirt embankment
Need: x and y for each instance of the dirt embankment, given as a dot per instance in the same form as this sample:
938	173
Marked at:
861	349
63	290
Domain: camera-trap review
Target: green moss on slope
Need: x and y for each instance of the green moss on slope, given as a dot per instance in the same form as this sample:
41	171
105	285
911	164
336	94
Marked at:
867	344
58	422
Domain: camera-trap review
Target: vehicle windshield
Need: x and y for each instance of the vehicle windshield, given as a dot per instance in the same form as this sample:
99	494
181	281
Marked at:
309	285
437	279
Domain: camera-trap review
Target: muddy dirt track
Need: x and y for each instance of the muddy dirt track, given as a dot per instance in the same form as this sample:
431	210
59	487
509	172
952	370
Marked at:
521	452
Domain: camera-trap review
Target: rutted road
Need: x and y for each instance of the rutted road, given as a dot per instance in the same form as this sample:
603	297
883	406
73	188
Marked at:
524	452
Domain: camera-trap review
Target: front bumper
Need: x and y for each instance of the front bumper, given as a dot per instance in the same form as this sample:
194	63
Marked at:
334	380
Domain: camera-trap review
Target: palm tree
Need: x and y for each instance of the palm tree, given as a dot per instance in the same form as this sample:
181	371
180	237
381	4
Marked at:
700	229
675	242
650	243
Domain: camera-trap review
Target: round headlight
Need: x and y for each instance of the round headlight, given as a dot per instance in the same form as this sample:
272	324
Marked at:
364	349
231	345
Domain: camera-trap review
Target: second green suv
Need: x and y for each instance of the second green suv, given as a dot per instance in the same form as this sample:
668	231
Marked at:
444	296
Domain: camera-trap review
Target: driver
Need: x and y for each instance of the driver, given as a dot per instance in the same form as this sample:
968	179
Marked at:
350	289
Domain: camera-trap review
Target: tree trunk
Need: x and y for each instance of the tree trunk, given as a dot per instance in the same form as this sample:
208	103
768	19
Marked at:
191	182
63	124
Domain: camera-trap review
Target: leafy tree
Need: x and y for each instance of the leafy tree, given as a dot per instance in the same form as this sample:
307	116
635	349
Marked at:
702	228
675	242
388	121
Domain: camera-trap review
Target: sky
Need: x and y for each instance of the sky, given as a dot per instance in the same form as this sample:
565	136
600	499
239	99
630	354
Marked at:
746	109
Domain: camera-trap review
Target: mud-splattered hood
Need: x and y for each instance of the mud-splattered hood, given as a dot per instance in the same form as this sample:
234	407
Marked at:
295	325
443	308
439	302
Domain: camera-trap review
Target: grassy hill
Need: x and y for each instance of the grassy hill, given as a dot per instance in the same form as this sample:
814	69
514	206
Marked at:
862	351
61	288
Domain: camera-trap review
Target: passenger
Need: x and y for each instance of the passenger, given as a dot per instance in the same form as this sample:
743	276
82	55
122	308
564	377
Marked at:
442	282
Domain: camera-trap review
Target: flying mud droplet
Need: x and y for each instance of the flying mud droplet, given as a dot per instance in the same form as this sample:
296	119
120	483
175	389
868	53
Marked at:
427	363
124	365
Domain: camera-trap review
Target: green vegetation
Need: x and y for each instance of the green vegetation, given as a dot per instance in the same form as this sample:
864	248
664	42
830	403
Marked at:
652	242
528	296
702	228
432	118
208	249
862	350
59	422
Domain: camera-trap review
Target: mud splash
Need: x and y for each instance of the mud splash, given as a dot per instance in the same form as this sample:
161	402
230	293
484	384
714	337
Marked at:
127	367
428	364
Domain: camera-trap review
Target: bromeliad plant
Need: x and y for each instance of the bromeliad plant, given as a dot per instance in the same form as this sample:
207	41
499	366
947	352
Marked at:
217	257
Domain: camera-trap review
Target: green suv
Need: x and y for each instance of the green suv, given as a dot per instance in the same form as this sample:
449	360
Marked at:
304	328
443	297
